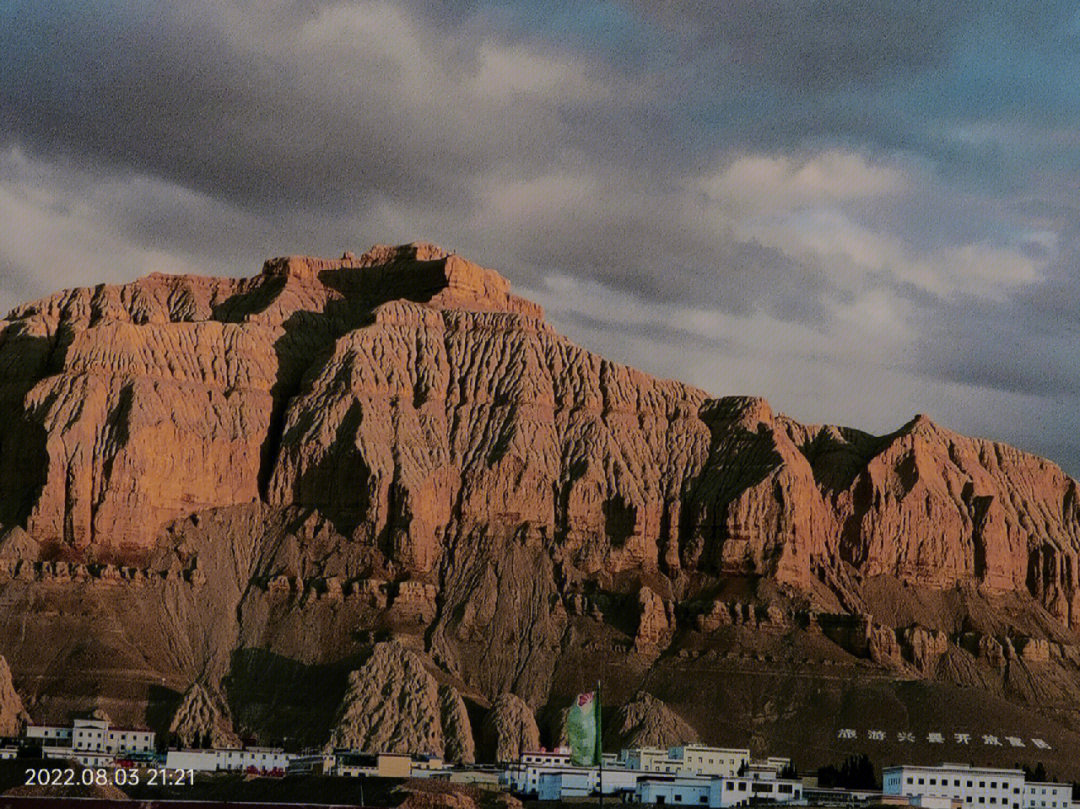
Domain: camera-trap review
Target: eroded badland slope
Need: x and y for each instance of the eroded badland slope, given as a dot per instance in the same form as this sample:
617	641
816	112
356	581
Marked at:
249	485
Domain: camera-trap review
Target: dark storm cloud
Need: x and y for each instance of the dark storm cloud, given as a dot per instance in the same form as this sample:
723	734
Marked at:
816	45
887	187
300	105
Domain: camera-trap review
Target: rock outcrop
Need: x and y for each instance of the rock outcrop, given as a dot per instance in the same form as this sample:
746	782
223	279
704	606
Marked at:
646	721
202	719
509	729
255	481
13	716
409	396
459	745
656	620
394	705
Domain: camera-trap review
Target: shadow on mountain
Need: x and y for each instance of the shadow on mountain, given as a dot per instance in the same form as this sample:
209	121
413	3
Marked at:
284	700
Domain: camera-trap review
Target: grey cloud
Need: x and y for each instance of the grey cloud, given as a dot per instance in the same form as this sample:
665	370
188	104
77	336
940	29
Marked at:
820	45
212	135
274	109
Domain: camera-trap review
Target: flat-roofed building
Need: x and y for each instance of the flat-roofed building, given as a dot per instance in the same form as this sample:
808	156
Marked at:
91	742
259	759
976	787
1046	795
715	792
699	759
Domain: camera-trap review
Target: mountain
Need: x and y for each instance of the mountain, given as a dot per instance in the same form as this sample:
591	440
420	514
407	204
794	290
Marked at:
251	484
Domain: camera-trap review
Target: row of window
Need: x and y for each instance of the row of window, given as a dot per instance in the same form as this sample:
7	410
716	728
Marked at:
956	783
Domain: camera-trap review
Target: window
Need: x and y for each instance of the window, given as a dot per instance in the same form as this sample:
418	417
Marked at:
956	782
933	782
982	799
921	782
910	780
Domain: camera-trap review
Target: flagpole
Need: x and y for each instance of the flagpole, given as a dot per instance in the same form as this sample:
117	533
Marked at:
600	741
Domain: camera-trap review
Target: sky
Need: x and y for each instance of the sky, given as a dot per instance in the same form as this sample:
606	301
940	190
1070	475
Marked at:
859	210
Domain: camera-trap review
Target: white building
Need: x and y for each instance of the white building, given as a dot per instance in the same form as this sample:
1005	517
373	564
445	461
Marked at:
1046	795
981	787
524	779
91	742
312	764
560	755
557	786
716	792
651	759
697	759
661	790
261	759
688	759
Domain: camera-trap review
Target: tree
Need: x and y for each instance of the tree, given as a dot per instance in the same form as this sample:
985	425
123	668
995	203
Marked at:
789	771
1036	774
857	772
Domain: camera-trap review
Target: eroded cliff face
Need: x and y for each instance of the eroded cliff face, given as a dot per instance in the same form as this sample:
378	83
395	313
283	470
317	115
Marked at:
250	482
203	720
411	399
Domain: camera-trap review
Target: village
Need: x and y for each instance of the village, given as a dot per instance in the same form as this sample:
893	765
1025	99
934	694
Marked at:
686	775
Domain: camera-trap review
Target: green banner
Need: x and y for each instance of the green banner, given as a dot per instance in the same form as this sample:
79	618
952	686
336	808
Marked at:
583	730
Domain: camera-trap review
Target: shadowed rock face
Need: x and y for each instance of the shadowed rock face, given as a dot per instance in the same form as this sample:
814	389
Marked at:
251	481
645	721
394	705
510	729
12	714
203	720
410	398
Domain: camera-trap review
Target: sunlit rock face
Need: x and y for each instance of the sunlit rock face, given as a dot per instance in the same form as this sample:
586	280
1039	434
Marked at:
251	483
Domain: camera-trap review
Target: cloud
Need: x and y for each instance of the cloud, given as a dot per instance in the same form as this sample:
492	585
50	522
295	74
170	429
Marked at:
861	210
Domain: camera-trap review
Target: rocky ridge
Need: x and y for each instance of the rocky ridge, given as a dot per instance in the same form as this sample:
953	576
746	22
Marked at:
203	720
13	716
510	729
646	721
394	705
255	482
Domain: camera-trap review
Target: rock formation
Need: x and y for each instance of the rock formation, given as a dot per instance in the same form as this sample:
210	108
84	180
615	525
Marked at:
459	745
254	482
646	721
509	729
12	714
408	396
656	620
203	720
394	705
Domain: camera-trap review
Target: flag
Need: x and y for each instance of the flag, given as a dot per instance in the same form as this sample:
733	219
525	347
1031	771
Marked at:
583	730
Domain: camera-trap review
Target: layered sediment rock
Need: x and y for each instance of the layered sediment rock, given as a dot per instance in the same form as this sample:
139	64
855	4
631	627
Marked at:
510	729
410	397
394	705
646	721
202	720
212	478
13	716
